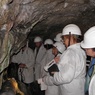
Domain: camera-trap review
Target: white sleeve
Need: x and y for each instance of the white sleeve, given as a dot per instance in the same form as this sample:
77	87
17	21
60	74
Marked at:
92	86
66	69
48	80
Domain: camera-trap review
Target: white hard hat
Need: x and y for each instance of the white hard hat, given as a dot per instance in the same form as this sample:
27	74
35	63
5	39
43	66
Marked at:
58	37
48	41
60	46
37	39
89	38
71	28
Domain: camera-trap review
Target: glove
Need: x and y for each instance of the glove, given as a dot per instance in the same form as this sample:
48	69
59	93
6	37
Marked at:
43	86
40	81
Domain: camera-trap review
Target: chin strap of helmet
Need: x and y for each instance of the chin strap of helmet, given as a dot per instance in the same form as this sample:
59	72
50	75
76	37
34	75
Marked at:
69	38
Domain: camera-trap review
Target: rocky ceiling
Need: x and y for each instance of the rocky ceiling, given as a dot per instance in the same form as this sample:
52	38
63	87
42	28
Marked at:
22	18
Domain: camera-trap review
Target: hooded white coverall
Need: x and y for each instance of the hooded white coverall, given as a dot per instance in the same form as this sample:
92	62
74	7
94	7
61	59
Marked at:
72	70
26	57
38	58
51	89
92	86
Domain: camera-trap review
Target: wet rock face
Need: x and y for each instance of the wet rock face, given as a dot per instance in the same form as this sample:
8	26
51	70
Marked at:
19	17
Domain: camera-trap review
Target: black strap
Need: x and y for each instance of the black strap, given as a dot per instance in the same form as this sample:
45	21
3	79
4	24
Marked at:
69	38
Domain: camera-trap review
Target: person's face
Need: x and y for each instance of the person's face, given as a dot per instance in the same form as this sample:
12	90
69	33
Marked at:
90	52
38	44
65	41
68	40
54	51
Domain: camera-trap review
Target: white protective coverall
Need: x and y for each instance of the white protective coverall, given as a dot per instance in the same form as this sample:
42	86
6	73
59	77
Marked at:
51	89
92	86
46	59
72	70
38	58
27	58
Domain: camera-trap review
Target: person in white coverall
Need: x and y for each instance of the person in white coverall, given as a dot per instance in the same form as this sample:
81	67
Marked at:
72	64
25	59
39	53
88	44
58	49
48	44
47	58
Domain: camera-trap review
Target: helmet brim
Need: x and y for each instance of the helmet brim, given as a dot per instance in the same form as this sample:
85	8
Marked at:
83	45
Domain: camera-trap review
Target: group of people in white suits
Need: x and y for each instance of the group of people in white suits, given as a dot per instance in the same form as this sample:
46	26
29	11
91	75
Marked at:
68	53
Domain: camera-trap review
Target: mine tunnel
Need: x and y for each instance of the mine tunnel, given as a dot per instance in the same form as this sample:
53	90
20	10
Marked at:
22	20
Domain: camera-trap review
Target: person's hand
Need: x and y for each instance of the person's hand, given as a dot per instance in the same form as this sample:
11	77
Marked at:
52	73
21	65
57	59
40	81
